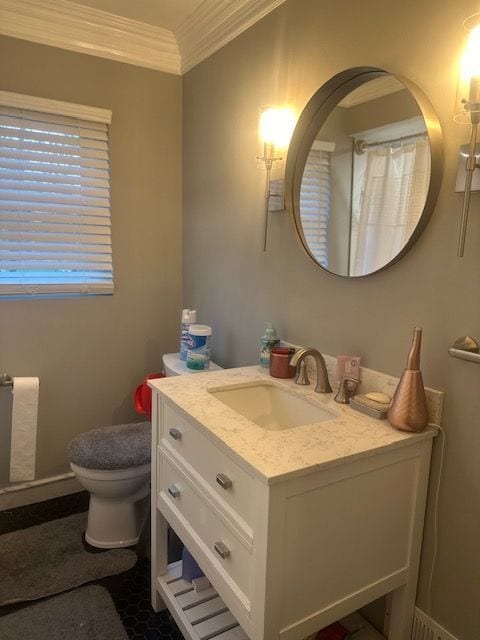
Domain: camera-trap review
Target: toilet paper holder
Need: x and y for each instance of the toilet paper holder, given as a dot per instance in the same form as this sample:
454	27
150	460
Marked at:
5	380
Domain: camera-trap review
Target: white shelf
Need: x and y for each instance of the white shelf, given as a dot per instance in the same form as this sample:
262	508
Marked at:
202	615
199	615
364	630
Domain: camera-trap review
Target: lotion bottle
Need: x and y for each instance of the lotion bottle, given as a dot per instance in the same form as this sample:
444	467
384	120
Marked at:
267	342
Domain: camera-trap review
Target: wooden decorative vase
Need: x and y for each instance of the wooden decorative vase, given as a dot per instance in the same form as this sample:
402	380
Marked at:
408	411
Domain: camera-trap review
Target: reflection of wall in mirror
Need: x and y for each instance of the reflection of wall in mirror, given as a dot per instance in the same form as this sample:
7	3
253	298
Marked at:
382	111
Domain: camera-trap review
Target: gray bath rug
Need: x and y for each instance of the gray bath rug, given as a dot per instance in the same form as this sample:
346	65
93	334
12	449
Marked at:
87	613
50	558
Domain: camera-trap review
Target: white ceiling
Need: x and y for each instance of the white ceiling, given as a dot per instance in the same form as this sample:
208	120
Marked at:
168	14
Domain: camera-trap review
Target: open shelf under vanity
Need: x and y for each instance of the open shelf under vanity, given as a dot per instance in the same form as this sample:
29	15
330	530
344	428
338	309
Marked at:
202	615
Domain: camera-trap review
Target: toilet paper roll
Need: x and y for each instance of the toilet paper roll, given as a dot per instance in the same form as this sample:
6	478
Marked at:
24	429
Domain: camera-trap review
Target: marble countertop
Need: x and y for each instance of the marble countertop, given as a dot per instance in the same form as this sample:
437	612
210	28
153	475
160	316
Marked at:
275	455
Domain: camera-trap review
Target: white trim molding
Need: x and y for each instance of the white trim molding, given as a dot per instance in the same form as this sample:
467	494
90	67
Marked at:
23	493
76	27
56	107
69	25
215	23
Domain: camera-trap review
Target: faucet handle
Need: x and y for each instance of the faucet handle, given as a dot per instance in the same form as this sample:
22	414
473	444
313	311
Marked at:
302	375
346	390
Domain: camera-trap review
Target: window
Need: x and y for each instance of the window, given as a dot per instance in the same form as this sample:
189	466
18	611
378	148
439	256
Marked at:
54	198
315	200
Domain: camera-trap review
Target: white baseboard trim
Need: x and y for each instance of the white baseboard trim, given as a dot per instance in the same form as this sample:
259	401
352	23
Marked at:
424	628
19	495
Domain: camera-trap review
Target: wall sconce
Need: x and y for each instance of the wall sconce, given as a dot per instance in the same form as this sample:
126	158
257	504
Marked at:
275	129
467	111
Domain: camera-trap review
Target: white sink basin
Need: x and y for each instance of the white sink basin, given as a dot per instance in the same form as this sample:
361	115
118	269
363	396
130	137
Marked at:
270	406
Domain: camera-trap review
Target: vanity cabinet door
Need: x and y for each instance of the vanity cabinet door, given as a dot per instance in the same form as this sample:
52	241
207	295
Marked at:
225	479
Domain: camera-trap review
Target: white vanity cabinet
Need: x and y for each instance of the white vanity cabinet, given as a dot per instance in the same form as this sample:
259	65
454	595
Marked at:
285	555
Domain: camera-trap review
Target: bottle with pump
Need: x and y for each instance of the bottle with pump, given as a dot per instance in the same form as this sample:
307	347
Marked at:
189	316
267	343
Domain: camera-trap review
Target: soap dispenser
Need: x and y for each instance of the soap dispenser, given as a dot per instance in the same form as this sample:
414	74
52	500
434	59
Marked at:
267	343
408	411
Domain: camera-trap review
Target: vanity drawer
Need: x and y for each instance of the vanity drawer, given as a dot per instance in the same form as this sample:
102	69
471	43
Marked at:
224	477
224	549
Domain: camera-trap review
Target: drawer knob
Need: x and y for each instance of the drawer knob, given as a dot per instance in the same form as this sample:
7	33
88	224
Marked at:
175	433
222	549
224	481
174	491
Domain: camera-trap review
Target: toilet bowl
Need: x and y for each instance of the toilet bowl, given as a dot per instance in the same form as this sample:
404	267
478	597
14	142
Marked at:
118	504
113	464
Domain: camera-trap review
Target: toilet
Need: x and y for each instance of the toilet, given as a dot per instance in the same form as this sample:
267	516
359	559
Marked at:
113	464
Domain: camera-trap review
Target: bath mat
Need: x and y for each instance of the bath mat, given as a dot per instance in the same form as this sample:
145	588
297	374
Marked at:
87	613
50	558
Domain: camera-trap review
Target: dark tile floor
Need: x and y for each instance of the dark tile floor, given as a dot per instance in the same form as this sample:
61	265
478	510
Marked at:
130	590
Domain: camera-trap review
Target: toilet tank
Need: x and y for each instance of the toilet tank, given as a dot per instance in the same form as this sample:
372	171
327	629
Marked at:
175	367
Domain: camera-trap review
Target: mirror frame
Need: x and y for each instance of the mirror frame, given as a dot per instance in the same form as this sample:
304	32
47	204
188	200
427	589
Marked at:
312	118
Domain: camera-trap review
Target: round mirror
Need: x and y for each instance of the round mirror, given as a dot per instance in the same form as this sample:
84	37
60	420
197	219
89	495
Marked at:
363	171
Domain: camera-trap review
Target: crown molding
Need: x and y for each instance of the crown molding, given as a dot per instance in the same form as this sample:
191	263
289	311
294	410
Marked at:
215	23
68	25
75	27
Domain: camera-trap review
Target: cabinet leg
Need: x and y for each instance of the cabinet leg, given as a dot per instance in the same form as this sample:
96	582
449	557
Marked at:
157	602
401	606
159	555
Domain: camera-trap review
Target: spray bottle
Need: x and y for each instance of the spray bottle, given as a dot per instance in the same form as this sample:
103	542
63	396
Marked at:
189	316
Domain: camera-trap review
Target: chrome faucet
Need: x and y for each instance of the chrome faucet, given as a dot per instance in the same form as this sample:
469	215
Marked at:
297	360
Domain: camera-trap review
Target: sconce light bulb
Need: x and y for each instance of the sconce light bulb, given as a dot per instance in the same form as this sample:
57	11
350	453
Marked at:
467	102
276	126
470	64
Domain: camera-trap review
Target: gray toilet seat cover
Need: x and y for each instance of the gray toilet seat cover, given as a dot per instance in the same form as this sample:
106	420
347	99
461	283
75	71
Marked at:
107	448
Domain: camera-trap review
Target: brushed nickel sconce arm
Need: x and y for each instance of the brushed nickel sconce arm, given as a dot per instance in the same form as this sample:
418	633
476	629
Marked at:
275	128
268	159
470	165
467	111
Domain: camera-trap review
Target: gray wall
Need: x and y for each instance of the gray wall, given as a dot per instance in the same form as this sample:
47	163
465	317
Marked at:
381	112
236	287
90	352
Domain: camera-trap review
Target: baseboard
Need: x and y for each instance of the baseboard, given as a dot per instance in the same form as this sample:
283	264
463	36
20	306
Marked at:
38	490
424	628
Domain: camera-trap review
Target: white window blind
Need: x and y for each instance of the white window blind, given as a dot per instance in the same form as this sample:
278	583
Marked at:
315	201
54	200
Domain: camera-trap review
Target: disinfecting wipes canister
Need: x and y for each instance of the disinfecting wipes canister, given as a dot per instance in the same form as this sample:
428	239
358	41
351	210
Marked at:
198	346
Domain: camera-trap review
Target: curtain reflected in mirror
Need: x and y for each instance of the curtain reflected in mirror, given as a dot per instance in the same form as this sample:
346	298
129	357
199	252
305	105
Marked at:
391	190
